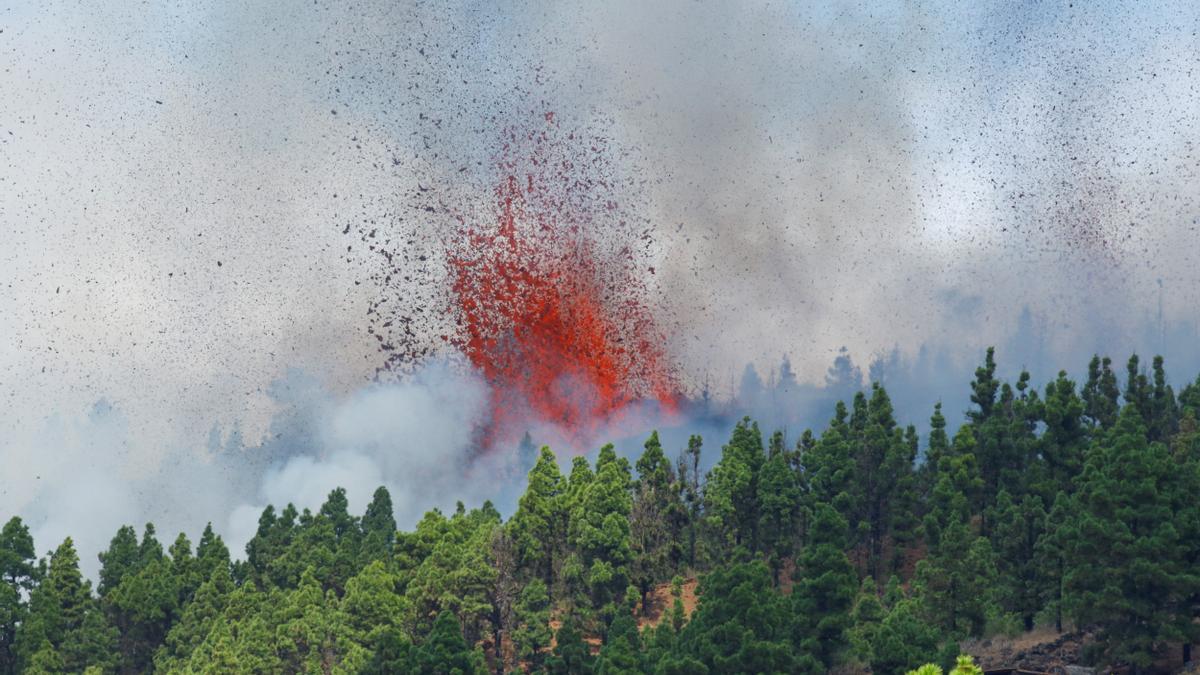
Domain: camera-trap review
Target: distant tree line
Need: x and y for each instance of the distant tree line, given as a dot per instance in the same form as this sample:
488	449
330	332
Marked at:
1073	507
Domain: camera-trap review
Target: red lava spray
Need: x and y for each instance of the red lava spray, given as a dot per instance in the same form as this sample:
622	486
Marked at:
551	301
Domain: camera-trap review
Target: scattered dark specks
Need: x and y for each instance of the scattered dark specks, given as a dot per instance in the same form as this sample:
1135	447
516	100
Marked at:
158	101
219	263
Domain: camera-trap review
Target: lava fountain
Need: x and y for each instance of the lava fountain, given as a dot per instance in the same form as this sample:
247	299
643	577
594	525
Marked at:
550	297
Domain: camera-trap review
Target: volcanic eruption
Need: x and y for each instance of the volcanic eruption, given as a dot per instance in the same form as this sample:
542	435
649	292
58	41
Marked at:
548	293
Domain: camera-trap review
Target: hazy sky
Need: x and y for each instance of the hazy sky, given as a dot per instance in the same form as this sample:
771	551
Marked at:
175	178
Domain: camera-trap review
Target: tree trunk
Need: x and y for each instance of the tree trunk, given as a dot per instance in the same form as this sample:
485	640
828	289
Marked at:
497	642
1058	624
647	590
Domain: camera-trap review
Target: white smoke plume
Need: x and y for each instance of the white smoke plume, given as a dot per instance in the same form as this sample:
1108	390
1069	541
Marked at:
415	437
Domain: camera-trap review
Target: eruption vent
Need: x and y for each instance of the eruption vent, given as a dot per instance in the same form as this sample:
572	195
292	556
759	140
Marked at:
550	298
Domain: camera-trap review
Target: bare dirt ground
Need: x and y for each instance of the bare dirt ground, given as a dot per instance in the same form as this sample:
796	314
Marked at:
661	601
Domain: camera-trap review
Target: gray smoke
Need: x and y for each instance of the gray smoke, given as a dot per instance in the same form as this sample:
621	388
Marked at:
415	438
909	181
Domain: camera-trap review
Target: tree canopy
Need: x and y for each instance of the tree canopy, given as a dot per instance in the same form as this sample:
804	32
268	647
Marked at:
857	546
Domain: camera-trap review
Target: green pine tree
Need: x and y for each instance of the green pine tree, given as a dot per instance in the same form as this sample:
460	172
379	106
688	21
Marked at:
535	528
824	593
1129	565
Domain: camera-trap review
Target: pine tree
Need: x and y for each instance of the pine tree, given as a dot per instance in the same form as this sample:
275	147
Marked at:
150	550
904	640
883	461
455	576
939	443
338	536
984	388
532	636
659	641
372	604
797	461
274	536
211	553
120	559
18	576
958	485
893	593
1004	431
957	581
903	514
1164	416
1128	567
866	616
46	661
198	619
245	634
731	492
534	526
60	613
620	654
1017	528
17	567
571	655
823	594
740	626
184	568
599	532
94	646
445	650
306	625
1100	394
527	453
779	498
391	652
1065	439
1137	390
143	607
572	582
691	495
379	526
656	520
1052	554
831	466
1189	399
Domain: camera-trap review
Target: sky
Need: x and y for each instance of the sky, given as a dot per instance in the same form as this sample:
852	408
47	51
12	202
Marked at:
176	178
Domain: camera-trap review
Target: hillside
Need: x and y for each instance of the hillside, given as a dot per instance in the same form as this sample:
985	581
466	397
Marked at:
1054	527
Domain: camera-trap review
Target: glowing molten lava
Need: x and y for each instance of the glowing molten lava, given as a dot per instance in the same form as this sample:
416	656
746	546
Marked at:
549	310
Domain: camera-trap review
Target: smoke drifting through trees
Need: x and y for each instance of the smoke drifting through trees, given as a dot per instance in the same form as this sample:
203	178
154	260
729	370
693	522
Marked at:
897	177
